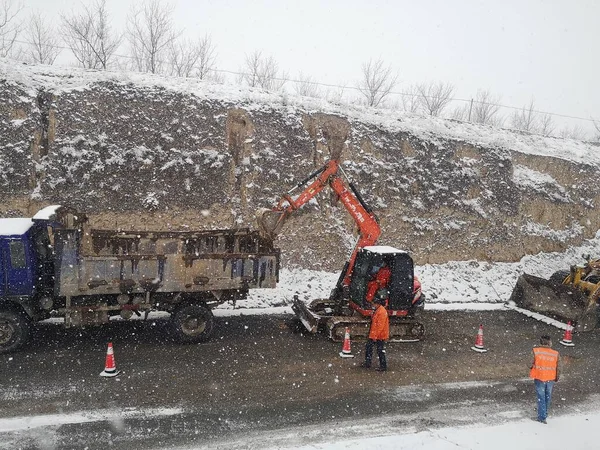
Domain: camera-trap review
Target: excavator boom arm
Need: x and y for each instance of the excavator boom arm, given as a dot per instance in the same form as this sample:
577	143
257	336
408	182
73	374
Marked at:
311	191
271	221
369	229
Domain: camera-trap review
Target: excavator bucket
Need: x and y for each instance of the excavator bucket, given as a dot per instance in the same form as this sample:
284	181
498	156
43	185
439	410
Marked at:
270	221
563	302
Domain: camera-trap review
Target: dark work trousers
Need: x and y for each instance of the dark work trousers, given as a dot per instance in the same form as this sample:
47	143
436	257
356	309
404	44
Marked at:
380	353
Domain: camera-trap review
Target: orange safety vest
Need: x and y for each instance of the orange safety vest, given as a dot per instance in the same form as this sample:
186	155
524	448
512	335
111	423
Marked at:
545	363
380	325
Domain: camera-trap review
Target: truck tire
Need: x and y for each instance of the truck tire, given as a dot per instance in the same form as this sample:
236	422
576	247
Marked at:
191	324
15	328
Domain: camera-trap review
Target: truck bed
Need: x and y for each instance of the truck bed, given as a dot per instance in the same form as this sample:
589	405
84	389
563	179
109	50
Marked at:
111	262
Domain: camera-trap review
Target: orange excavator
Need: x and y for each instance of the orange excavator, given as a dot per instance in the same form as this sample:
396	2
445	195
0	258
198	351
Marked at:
350	304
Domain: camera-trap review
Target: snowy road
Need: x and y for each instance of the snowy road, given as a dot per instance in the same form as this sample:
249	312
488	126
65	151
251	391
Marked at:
257	384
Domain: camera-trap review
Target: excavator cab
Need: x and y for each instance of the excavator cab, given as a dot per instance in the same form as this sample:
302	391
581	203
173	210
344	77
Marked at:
400	287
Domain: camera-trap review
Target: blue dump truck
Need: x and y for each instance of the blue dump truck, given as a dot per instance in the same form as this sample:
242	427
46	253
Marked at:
55	265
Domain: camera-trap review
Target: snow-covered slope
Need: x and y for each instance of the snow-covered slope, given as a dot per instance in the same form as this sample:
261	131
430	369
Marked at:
59	80
137	150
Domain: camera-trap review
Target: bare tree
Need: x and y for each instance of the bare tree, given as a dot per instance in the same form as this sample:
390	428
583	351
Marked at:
249	73
461	113
377	82
150	32
89	36
183	57
208	58
43	44
546	125
336	95
191	58
262	72
434	97
10	27
216	76
410	99
267	74
597	127
485	108
575	132
526	119
306	86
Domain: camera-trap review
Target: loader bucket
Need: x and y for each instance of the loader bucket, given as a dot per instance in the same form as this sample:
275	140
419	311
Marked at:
270	222
556	300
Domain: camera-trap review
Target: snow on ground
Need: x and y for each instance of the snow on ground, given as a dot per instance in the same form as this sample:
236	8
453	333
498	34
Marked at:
434	129
565	432
469	427
12	424
507	429
453	285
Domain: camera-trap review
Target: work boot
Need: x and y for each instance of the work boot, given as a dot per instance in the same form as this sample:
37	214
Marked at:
381	369
365	365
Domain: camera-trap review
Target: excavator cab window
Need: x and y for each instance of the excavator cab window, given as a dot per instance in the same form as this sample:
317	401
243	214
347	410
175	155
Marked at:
401	282
365	262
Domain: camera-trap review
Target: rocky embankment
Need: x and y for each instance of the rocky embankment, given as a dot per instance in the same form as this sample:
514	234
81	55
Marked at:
134	151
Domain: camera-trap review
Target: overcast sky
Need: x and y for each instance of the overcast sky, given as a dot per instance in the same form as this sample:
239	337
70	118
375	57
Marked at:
517	49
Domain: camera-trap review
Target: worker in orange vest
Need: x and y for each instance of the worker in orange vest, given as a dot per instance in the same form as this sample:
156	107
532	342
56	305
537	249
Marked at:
545	373
379	331
379	281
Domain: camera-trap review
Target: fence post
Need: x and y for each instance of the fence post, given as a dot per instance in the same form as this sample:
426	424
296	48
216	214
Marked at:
470	109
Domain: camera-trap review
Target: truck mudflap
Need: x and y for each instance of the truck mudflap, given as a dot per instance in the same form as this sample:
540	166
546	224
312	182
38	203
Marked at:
556	300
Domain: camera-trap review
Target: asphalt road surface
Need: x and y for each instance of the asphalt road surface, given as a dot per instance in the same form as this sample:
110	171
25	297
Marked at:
257	376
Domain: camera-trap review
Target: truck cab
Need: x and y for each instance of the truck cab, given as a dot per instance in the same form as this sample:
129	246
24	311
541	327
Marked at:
17	260
18	281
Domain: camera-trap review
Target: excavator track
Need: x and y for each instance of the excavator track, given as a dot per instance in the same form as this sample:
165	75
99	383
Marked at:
319	316
401	329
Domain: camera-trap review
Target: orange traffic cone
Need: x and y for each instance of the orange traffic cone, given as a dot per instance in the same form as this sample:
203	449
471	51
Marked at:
567	339
478	347
346	352
110	369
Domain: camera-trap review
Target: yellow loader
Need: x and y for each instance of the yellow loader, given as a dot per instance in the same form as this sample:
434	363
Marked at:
569	295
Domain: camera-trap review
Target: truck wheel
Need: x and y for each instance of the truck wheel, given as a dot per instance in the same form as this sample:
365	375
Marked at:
192	323
14	330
